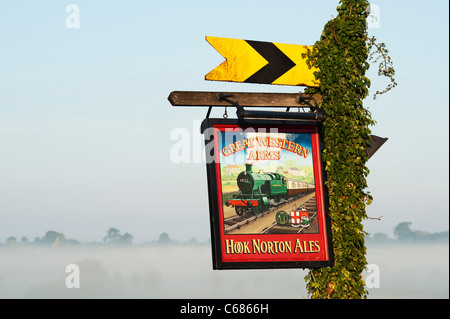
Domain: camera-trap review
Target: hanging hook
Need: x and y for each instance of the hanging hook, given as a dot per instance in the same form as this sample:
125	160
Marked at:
225	115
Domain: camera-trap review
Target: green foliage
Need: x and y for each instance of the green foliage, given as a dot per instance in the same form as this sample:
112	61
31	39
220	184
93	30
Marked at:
404	234
378	52
342	56
53	238
113	237
402	231
11	241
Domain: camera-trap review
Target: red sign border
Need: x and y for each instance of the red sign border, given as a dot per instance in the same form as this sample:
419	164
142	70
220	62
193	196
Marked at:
313	255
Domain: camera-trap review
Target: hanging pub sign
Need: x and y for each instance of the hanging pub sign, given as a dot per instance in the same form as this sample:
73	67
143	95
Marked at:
267	199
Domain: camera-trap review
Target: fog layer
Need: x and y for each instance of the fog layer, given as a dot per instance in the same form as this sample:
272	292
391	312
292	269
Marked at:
185	271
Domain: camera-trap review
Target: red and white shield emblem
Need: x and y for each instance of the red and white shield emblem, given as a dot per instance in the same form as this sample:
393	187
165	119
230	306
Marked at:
304	216
295	218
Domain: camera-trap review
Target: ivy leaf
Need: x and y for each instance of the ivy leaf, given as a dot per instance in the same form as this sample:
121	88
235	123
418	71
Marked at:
342	56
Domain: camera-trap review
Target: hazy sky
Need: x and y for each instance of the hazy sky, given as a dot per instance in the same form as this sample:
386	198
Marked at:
85	124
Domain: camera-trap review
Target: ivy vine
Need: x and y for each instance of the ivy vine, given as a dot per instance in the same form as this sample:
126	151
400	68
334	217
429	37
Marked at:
342	57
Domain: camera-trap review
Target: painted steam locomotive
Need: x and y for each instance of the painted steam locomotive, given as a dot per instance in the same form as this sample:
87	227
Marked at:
260	191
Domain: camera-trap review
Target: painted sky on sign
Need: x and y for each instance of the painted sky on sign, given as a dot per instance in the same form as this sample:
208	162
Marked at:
85	125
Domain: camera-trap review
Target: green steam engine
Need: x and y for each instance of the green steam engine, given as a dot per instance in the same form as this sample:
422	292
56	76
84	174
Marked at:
260	191
256	191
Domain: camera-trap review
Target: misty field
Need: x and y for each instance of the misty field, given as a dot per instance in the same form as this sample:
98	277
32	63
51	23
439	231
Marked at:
185	271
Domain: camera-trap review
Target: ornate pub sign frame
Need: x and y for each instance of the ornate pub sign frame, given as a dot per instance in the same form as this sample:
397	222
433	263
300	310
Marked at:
267	199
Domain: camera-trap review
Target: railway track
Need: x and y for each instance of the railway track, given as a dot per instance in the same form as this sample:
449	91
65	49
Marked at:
311	207
237	222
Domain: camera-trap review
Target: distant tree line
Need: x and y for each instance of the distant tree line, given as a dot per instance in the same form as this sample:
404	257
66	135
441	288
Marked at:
404	234
50	238
113	237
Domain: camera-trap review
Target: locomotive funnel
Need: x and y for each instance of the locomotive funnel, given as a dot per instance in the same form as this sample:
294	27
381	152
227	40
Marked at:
248	167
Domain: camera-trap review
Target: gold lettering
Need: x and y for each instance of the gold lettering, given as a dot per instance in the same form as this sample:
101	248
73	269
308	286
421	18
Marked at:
238	247
251	143
256	246
281	247
282	143
246	249
297	149
287	244
311	246
245	143
290	146
251	156
229	246
305	247
263	247
316	243
303	152
262	141
298	245
273	142
226	151
270	248
238	146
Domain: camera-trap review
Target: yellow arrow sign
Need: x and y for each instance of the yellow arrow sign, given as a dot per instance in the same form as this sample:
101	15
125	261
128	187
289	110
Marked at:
261	62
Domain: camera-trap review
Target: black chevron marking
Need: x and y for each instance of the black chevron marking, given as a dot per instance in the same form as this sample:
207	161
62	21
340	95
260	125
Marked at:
278	64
